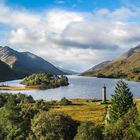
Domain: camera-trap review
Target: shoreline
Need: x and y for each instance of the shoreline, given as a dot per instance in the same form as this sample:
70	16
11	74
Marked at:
35	87
107	77
19	87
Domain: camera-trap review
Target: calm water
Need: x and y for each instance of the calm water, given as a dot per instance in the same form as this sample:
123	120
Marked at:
80	87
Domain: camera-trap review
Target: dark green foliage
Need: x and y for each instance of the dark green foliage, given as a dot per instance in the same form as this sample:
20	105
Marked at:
53	126
122	101
14	121
3	100
123	116
24	98
45	80
136	70
65	101
100	75
21	118
42	105
89	131
18	98
135	127
115	75
11	121
1	134
123	128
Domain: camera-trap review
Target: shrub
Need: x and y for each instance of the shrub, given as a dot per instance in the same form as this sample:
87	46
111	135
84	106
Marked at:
89	131
53	126
136	70
122	129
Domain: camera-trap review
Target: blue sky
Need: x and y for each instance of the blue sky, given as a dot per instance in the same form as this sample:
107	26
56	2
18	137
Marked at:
77	5
72	34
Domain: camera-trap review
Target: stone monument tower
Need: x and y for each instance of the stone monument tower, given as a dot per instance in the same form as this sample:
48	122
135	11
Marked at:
104	94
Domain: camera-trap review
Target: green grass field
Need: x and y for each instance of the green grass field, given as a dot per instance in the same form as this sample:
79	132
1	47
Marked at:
82	110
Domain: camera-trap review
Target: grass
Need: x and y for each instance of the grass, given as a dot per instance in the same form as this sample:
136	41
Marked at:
137	101
85	110
82	110
34	87
19	87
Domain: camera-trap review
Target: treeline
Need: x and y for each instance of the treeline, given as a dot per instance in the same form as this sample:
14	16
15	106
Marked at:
134	76
45	80
23	118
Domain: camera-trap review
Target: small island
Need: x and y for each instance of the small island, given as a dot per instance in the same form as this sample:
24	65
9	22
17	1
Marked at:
39	81
45	81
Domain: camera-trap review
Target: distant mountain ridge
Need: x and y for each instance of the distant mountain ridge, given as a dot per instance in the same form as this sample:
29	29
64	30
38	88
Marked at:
25	63
68	71
126	66
99	66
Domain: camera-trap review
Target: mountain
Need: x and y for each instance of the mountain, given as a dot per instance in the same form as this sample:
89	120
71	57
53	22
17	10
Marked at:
25	63
6	73
69	72
126	66
99	66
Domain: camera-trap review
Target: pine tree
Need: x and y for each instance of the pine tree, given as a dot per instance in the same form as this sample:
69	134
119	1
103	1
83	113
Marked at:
121	101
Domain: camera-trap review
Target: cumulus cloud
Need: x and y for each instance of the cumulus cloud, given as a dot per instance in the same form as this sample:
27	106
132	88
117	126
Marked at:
72	39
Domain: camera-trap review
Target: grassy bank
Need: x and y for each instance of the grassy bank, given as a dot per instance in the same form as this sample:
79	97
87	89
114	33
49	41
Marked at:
20	87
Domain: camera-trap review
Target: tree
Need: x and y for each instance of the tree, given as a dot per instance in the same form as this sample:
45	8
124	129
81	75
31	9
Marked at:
45	80
1	134
89	131
124	128
53	126
11	121
135	127
121	101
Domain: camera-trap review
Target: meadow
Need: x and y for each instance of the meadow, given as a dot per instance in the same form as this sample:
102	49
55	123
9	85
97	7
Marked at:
86	110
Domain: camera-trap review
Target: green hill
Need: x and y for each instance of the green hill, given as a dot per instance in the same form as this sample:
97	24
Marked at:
126	66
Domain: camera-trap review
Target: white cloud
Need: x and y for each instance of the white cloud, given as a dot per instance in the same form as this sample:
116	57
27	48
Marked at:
60	1
58	20
72	39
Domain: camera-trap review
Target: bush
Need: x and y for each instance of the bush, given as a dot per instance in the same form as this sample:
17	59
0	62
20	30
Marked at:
53	126
89	131
136	70
123	129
